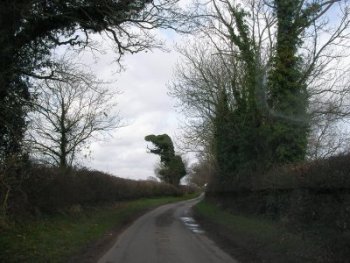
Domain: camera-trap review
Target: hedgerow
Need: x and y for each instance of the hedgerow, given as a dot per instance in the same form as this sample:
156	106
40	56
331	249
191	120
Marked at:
42	189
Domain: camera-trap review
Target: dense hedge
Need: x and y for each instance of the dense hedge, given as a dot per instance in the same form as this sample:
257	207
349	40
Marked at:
309	193
47	190
331	173
307	197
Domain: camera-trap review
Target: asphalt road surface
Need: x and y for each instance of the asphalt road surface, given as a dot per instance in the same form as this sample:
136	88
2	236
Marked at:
167	234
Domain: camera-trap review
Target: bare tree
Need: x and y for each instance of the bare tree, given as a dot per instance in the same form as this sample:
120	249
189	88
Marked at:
196	86
68	112
201	173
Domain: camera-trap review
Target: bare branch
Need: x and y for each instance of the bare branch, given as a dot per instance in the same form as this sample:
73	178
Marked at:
69	111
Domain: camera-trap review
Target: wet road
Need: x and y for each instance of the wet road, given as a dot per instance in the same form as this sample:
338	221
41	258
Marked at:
167	234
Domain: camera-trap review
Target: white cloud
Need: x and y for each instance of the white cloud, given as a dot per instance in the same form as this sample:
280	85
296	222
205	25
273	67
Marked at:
143	104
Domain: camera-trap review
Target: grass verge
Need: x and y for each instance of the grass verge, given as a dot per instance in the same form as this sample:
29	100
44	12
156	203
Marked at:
58	238
252	239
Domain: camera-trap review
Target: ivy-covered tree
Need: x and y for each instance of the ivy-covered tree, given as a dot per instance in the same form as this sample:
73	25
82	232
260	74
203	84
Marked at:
171	168
288	98
248	90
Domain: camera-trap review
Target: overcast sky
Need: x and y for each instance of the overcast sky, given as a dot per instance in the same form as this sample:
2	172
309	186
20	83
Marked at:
144	107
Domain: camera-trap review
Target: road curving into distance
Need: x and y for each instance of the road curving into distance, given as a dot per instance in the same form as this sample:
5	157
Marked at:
167	234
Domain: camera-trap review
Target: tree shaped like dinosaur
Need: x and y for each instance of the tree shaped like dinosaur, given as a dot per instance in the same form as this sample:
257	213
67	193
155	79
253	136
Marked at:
171	168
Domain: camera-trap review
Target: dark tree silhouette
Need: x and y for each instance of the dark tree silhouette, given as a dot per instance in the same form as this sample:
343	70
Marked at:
171	168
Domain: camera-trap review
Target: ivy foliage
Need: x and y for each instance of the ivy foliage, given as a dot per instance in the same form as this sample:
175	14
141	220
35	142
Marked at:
172	168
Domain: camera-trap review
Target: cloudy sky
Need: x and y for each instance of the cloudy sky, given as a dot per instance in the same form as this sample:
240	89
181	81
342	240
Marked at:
145	108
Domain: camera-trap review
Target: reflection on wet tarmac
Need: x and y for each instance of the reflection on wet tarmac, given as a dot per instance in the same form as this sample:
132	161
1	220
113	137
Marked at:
191	224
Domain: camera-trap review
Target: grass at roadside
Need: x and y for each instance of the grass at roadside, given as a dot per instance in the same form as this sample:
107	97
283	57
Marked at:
252	239
57	238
